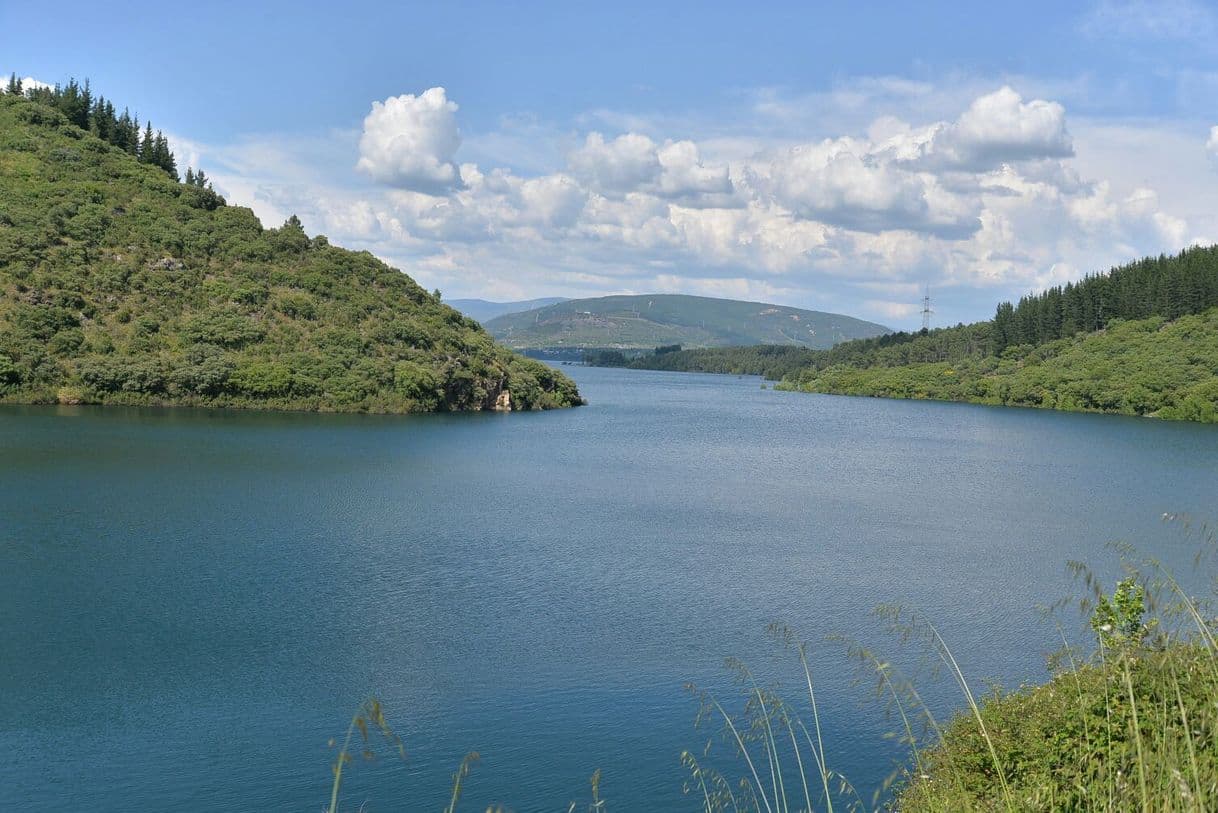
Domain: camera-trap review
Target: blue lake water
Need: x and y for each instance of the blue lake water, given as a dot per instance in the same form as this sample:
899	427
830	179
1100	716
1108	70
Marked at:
194	602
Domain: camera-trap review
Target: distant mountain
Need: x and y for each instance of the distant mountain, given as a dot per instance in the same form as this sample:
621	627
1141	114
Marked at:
648	321
482	310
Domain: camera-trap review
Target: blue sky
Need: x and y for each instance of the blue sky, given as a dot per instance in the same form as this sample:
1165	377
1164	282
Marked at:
823	156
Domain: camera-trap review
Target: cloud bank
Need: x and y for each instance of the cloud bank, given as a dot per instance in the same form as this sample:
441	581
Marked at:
987	200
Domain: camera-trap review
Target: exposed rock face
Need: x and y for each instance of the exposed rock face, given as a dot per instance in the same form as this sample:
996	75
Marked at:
167	264
504	402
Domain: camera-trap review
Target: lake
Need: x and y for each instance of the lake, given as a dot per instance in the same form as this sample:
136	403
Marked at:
194	602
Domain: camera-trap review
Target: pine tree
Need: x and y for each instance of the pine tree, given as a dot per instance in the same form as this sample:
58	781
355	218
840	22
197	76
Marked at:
101	120
163	157
14	86
1001	337
147	145
84	106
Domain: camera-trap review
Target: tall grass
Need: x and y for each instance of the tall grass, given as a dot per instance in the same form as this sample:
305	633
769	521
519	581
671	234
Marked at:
1130	725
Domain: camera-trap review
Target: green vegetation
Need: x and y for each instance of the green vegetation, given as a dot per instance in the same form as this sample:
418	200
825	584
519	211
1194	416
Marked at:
1134	727
1137	732
644	322
120	285
97	115
774	361
1144	367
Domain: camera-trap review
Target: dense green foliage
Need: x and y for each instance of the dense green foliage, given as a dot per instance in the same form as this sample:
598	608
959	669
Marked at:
1094	738
1134	727
774	361
779	361
1144	367
98	116
644	322
120	285
1155	286
1167	287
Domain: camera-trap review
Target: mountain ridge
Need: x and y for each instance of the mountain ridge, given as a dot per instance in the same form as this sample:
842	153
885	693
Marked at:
649	320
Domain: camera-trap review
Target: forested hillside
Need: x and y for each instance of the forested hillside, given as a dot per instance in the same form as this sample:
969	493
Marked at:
1139	367
1141	339
118	284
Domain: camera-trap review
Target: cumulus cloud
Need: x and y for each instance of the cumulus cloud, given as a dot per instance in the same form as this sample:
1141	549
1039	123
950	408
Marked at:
988	195
684	174
618	166
632	162
843	183
409	142
1001	128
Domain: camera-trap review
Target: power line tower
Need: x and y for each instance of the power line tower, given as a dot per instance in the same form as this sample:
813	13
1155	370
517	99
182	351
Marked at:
926	311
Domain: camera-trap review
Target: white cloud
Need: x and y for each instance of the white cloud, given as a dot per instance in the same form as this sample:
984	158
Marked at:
409	142
553	200
632	162
1001	128
684	175
987	196
1211	144
618	166
844	183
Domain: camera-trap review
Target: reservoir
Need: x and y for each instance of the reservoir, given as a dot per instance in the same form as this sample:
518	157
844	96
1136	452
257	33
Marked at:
194	603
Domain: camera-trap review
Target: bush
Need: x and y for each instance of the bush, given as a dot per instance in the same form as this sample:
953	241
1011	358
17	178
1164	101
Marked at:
265	379
418	383
223	328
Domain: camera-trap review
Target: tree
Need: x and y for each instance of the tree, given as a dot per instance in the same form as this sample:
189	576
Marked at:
163	157
14	86
147	147
1002	337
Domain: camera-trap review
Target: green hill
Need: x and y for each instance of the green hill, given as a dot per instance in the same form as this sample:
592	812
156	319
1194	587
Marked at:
635	322
118	284
1141	339
1143	367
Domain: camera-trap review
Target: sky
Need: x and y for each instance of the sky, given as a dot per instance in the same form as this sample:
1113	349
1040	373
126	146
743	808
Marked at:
809	154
